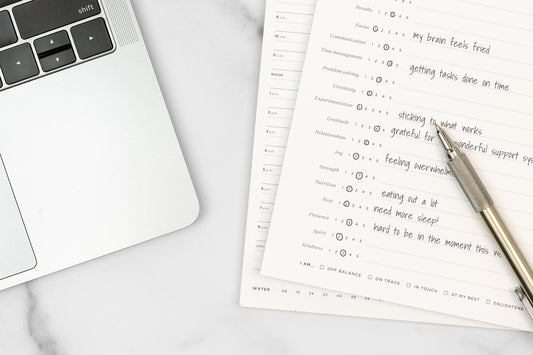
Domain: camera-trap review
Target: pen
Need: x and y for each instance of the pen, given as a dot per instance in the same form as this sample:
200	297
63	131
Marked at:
482	203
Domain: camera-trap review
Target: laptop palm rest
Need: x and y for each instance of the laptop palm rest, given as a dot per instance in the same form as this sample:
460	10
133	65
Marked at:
16	253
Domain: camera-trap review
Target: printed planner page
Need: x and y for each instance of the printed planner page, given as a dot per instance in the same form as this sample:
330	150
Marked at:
366	204
287	27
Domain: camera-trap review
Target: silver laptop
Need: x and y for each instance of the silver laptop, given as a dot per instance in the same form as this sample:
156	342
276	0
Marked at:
90	162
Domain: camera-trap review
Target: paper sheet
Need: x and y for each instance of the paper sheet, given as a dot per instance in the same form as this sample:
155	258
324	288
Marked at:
366	204
287	27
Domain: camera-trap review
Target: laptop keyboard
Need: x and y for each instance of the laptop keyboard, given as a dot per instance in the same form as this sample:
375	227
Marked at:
39	37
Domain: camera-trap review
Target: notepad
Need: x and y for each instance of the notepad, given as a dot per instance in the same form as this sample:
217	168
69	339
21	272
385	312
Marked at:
287	27
366	204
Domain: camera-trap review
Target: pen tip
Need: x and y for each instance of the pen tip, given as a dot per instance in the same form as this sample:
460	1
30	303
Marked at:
447	143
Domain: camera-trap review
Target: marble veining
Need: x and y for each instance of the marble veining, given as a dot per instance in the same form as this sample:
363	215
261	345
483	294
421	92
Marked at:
245	14
36	323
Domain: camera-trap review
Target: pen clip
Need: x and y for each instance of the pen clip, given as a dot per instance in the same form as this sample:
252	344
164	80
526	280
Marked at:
528	307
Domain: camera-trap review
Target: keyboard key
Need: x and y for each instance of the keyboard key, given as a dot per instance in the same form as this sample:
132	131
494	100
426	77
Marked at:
91	38
18	63
58	60
7	2
7	31
54	51
39	16
51	43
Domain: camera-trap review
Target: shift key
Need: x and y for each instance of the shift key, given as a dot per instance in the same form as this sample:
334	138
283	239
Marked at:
39	16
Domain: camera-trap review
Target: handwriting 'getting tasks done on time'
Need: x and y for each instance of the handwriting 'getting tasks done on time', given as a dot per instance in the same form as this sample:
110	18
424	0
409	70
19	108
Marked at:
366	203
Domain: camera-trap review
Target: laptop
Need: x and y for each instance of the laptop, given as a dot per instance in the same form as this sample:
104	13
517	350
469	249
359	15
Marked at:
90	163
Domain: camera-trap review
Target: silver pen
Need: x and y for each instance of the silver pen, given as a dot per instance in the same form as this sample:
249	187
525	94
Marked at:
482	203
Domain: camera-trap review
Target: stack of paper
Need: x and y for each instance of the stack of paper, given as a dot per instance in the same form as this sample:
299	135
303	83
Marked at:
364	204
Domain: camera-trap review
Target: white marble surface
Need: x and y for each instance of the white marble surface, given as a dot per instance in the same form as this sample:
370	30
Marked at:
179	294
